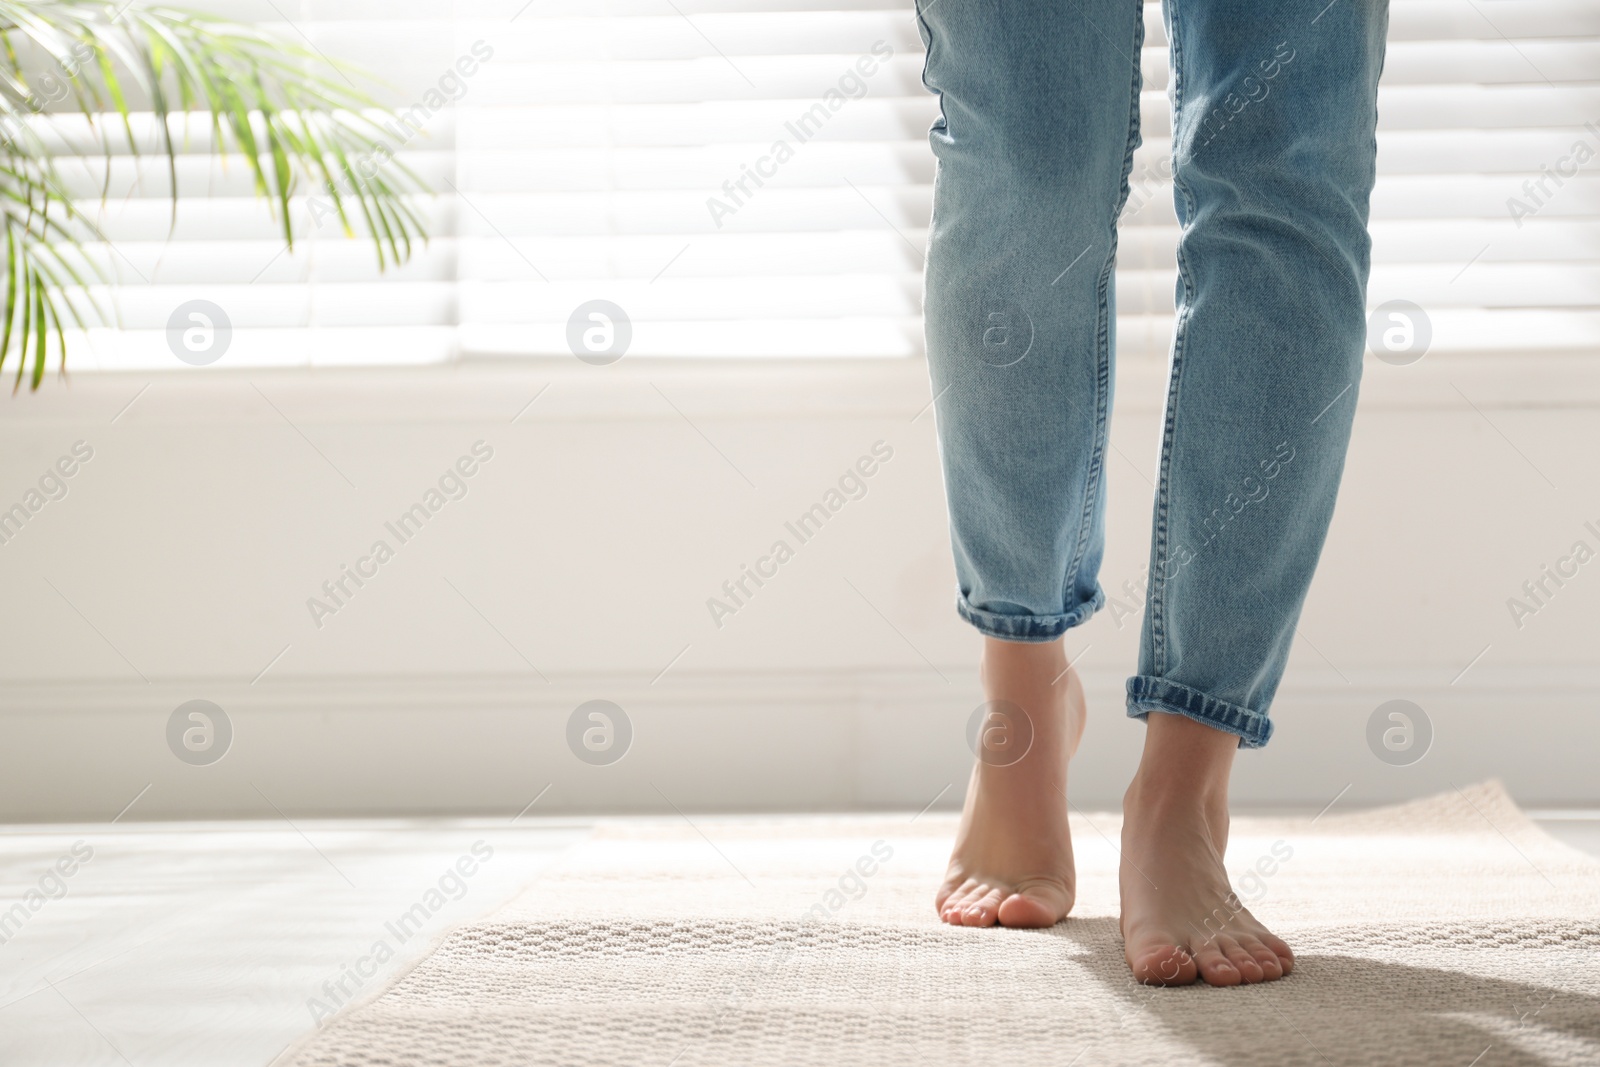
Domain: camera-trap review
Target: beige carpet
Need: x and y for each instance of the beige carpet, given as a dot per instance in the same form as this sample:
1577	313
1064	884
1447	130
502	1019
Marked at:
1450	931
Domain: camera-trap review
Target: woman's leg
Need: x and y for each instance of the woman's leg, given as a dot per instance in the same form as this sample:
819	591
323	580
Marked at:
1274	157
1038	122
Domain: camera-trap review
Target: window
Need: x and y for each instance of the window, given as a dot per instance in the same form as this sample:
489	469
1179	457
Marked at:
324	303
751	178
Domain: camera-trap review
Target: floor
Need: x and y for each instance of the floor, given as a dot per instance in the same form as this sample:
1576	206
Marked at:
219	944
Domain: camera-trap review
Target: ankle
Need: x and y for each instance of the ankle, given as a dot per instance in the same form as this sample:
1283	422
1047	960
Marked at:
1156	795
1185	766
1004	661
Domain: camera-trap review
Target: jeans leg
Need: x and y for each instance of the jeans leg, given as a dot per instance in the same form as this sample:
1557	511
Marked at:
1274	161
1038	123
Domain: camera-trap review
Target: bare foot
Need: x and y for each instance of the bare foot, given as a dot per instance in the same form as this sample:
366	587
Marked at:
1012	862
1181	920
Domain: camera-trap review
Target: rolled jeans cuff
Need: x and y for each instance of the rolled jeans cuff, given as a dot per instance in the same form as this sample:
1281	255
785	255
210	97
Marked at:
1147	694
1033	628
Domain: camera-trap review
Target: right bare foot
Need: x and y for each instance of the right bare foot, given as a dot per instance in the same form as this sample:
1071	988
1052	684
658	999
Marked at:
1012	862
1181	920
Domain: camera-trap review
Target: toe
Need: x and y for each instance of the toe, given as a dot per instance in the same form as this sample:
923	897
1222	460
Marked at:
1249	968
1162	963
954	901
983	908
1279	949
1030	909
1266	959
1215	967
956	906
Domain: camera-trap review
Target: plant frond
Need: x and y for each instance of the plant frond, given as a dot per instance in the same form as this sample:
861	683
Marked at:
281	105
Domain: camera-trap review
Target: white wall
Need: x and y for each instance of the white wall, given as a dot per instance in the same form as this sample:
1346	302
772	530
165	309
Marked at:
179	564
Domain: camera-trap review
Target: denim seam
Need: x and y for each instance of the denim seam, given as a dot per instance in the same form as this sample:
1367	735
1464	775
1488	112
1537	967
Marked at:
941	123
927	58
1158	644
1091	484
1097	455
1027	627
1103	340
1147	694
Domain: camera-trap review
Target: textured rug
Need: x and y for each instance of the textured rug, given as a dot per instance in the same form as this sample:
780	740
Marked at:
1447	931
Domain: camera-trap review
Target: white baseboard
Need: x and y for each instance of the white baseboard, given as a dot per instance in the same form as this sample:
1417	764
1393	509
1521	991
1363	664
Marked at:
493	393
827	741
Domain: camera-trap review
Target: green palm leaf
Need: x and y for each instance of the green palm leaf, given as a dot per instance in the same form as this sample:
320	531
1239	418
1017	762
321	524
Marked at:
295	119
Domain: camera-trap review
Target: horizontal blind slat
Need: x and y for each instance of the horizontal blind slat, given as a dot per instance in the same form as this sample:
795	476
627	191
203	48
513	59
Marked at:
578	162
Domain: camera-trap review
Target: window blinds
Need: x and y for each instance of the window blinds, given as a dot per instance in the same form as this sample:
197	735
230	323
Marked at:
751	178
324	303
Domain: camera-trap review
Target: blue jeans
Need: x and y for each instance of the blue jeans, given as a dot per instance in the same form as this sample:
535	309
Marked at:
1273	164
